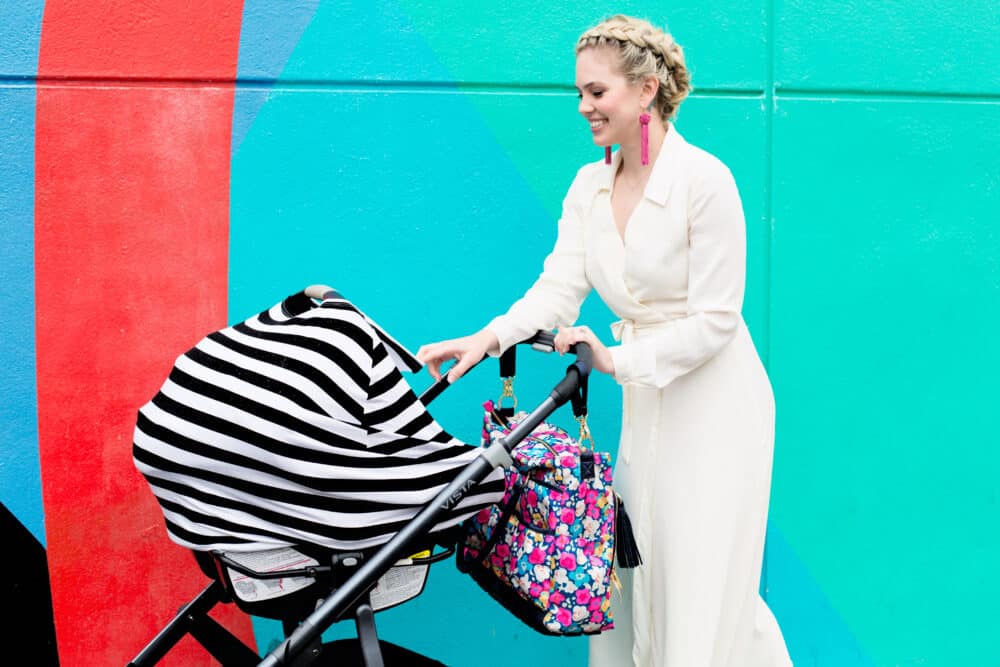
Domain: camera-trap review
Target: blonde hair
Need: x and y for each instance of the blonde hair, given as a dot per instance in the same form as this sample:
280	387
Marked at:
644	50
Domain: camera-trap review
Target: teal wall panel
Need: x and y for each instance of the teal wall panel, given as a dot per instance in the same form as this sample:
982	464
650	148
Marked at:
885	300
735	129
527	43
868	45
368	43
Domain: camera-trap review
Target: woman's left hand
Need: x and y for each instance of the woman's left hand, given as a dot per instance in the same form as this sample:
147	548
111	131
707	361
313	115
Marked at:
568	336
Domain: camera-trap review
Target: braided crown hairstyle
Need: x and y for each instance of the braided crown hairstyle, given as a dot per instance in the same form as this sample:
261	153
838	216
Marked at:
644	50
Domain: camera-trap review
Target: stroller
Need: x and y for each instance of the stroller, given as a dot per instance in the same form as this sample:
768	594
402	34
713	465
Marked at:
254	411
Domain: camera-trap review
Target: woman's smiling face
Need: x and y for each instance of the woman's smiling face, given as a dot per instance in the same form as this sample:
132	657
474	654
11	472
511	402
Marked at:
609	103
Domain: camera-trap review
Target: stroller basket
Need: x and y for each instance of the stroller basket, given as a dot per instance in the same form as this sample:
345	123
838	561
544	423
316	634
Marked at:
308	562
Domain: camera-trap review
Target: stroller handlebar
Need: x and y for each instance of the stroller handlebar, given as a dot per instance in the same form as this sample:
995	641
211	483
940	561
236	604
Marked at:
318	291
542	341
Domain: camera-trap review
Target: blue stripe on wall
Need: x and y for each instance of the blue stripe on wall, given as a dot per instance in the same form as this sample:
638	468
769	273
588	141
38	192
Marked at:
816	634
20	27
268	36
20	477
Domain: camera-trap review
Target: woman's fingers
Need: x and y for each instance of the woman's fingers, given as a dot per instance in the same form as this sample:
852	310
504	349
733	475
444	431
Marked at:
569	336
435	354
431	356
461	366
566	337
466	351
467	356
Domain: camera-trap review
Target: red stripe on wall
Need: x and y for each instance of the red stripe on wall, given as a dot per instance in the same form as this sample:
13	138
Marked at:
131	246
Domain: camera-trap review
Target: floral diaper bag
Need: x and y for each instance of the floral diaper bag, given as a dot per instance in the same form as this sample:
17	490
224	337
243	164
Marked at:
546	552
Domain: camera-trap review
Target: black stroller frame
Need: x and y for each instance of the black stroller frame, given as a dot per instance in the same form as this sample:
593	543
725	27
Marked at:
351	576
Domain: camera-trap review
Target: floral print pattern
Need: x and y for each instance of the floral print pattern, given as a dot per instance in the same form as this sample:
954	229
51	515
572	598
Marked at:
556	550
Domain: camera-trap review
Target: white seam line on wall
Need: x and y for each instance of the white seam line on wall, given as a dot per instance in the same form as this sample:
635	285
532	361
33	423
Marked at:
769	109
769	112
844	94
397	87
345	86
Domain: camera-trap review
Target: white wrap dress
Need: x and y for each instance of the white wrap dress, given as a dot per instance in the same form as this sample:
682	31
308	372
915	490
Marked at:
694	462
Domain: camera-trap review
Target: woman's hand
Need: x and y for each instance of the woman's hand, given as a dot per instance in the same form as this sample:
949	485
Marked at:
568	336
467	351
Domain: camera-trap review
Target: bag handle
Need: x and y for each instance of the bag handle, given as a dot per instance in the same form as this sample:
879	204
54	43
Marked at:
508	366
578	399
508	369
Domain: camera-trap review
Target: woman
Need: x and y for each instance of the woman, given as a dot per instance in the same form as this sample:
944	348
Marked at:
657	229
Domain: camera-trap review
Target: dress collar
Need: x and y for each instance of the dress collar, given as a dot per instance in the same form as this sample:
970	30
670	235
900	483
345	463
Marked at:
657	188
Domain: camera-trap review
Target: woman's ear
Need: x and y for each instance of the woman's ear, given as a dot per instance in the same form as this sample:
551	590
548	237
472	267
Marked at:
650	85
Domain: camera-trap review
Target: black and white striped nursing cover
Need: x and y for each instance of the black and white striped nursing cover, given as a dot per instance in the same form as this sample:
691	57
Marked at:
297	427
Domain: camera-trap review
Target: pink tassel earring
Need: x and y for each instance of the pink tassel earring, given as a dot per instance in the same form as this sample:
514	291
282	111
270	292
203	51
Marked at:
607	155
644	145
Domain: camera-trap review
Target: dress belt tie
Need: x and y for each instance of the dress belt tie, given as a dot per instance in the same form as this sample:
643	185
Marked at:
624	331
618	328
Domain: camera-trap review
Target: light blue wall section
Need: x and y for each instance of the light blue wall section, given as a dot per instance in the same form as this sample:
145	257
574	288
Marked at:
20	480
269	32
20	27
815	632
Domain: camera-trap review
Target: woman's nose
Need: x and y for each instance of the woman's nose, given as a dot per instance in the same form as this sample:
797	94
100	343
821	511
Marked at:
584	107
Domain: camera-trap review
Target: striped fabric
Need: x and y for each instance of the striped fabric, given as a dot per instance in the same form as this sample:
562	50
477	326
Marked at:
297	427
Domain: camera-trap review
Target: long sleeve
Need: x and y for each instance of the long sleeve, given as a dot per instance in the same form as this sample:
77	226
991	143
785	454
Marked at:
555	297
716	280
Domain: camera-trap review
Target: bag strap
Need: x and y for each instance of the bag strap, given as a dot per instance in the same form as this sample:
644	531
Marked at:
508	365
508	362
578	399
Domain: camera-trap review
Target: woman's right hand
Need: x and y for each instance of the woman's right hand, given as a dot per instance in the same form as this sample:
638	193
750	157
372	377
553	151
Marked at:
467	352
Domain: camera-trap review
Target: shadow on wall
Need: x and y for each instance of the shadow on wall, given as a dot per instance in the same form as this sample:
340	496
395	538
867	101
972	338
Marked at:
26	593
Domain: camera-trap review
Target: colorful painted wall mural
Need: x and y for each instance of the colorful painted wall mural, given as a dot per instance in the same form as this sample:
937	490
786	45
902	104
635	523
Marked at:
169	168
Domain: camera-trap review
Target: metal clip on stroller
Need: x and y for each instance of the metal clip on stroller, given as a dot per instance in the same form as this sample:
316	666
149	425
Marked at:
329	586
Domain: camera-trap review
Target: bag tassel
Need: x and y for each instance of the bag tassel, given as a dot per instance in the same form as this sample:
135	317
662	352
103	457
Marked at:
626	548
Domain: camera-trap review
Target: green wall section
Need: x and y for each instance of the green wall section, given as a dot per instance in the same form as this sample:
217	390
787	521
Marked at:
414	154
941	48
885	286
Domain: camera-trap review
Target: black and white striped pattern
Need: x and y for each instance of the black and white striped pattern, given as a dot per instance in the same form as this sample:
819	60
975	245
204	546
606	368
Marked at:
297	427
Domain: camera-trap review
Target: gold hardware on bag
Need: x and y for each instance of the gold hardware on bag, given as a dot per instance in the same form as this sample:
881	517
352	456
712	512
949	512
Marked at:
617	583
584	431
508	392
